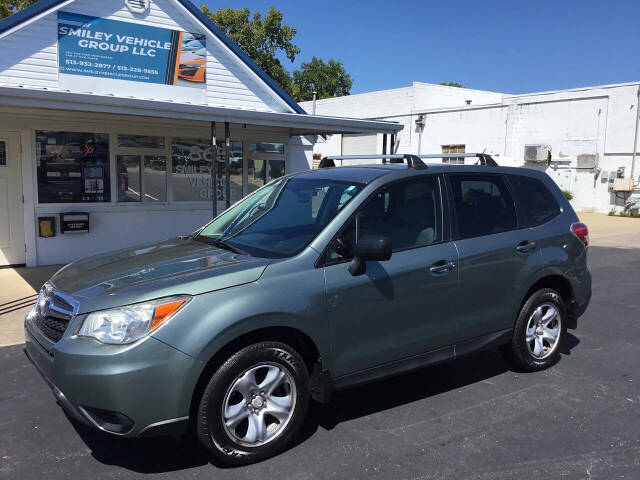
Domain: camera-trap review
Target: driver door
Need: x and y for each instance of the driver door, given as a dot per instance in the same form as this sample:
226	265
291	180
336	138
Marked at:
399	308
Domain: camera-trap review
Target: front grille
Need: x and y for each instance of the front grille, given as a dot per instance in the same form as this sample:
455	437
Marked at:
52	313
52	328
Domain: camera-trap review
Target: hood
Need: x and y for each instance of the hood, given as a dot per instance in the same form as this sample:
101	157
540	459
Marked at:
171	267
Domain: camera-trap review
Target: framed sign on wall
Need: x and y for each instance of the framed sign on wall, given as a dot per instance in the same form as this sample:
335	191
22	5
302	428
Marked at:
133	52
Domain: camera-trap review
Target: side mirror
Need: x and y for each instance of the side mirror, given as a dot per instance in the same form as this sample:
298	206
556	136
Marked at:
372	248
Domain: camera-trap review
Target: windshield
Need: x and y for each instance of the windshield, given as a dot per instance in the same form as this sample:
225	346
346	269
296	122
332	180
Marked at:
281	218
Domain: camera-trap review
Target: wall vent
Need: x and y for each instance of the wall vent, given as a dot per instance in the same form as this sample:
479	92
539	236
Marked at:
137	6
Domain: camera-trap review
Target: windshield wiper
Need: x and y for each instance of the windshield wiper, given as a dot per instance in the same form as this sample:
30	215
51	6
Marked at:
222	244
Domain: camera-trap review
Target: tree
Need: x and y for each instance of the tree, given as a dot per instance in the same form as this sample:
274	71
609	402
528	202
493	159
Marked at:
451	84
263	38
327	79
260	37
9	7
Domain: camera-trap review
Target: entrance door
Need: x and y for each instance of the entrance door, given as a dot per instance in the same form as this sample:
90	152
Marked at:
12	250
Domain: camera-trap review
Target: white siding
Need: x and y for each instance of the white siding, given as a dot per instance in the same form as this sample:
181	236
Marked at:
479	130
29	57
359	144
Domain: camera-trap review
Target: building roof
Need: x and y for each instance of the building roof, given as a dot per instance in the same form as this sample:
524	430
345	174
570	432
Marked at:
13	96
43	6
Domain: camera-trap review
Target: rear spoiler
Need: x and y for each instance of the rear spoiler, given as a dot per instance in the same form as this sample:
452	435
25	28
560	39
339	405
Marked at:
412	161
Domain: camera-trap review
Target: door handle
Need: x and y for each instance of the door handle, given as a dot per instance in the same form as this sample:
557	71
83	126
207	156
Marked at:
525	247
442	267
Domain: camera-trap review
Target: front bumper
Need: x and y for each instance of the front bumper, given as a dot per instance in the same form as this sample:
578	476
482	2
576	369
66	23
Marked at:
143	389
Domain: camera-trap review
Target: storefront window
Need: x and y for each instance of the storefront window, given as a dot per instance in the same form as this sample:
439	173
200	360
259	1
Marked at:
140	141
263	171
72	167
3	153
191	171
154	182
257	174
148	185
235	168
266	147
276	169
128	178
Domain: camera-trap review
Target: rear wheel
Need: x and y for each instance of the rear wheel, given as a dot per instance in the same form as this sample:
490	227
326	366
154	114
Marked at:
254	403
539	332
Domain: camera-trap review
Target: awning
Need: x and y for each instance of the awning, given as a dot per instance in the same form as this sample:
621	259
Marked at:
299	124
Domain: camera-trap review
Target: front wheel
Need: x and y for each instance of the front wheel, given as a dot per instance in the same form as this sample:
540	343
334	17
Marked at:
539	332
254	404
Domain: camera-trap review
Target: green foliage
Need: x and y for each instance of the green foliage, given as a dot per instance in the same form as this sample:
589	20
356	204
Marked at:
327	79
9	7
568	194
622	213
612	212
451	84
262	38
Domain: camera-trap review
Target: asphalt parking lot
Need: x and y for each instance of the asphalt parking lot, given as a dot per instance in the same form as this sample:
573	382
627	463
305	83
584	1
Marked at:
472	418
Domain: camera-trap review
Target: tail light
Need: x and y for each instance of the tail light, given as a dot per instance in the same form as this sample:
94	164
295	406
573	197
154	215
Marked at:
581	231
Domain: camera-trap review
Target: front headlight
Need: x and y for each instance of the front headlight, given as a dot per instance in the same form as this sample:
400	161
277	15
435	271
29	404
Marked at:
132	322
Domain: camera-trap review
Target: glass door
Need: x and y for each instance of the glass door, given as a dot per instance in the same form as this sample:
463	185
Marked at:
142	178
266	161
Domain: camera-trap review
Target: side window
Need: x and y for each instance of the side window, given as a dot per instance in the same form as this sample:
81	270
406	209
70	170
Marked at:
483	205
536	199
409	213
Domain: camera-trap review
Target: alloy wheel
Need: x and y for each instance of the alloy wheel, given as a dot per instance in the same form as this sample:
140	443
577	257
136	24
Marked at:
543	330
259	404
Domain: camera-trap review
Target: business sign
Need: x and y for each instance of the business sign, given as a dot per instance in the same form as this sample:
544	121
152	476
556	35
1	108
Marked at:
97	47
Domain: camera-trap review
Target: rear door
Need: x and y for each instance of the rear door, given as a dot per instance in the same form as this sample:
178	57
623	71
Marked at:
497	253
400	307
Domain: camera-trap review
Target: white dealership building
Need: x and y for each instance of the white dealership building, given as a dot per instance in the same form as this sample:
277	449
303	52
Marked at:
111	114
583	138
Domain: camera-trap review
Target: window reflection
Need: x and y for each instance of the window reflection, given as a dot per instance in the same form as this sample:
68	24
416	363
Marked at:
235	172
256	174
191	170
155	178
140	141
266	147
128	178
276	169
72	167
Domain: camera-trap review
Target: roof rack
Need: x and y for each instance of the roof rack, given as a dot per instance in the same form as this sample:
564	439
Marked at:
413	161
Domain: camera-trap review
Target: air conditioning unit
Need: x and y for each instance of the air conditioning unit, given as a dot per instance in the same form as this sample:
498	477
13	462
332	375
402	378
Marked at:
537	153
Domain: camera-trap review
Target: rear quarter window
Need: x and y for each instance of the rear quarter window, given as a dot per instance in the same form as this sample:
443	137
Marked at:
537	201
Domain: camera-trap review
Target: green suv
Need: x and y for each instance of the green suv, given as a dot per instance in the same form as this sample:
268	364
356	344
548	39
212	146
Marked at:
317	281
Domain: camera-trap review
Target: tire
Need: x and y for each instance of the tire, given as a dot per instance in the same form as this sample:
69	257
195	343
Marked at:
532	346
243	387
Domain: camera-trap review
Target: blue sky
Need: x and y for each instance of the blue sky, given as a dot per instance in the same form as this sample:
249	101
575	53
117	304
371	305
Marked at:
507	46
